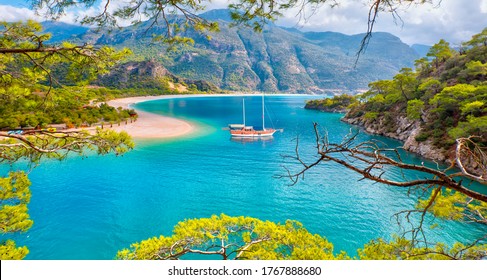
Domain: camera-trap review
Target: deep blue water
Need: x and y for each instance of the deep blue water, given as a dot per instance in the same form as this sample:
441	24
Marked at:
88	208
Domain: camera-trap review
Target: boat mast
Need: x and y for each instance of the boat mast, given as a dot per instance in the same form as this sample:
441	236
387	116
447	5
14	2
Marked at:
243	110
263	117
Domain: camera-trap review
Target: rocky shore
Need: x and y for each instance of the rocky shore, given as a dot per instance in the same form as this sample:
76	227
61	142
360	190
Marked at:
407	131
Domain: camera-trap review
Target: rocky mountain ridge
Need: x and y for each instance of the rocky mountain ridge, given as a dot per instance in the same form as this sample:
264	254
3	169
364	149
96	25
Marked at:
277	60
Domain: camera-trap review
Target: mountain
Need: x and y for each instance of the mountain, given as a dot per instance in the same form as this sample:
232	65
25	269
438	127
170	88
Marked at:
61	31
150	75
421	50
278	59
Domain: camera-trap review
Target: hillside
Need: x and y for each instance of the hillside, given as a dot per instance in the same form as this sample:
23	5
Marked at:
151	75
278	59
443	100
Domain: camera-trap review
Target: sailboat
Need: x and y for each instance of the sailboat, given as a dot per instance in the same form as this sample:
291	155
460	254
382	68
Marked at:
244	131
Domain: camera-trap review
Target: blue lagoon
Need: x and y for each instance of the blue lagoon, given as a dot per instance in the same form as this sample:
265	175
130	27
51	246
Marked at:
89	208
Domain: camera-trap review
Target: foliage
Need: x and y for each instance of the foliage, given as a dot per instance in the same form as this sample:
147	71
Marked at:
440	52
68	105
457	206
414	109
423	136
449	93
36	145
472	126
10	251
245	238
14	197
476	69
234	238
478	40
405	83
247	12
371	115
339	103
134	11
401	248
28	99
26	59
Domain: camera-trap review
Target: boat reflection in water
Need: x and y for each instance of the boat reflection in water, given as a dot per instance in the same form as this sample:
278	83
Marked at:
244	140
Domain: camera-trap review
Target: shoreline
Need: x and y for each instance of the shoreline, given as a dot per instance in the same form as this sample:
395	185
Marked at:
154	126
149	125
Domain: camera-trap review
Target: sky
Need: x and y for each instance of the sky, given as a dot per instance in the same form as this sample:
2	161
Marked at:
453	20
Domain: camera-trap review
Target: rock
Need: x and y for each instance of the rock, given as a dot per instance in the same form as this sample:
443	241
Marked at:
406	131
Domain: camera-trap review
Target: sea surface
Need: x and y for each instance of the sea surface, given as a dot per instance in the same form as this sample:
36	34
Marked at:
91	207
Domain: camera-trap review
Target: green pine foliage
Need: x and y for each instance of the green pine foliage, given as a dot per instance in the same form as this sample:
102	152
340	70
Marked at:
447	94
235	238
246	238
338	103
14	197
400	248
73	106
414	109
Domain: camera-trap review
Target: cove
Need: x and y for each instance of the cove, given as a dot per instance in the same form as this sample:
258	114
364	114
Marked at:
89	208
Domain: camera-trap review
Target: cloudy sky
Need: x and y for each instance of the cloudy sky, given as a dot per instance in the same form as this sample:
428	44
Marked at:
452	20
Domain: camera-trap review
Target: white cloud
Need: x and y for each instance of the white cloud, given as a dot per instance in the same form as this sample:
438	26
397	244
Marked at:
452	20
75	15
218	4
71	15
483	6
10	13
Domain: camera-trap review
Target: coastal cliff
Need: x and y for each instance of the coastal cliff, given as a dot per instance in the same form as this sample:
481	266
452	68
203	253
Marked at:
430	108
409	132
397	126
406	131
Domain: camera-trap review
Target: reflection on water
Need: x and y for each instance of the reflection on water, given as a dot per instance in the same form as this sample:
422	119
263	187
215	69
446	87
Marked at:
244	140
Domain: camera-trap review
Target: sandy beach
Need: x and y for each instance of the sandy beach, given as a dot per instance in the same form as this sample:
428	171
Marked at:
153	126
148	125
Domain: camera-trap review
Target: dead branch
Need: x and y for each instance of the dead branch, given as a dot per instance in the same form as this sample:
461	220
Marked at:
355	156
468	150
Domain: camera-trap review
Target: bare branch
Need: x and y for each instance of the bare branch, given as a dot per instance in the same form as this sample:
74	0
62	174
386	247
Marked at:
373	157
467	149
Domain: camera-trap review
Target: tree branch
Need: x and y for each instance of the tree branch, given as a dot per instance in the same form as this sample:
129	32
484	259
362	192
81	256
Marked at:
374	159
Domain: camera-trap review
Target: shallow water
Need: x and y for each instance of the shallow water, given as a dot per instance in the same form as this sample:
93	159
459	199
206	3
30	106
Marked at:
88	208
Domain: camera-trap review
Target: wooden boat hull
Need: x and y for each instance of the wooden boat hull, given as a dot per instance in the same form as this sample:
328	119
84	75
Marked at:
252	134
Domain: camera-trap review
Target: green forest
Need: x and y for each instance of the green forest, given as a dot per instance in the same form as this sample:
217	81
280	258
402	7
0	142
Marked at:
446	94
72	106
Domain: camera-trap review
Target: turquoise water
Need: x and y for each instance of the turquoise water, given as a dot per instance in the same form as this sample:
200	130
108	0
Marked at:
88	208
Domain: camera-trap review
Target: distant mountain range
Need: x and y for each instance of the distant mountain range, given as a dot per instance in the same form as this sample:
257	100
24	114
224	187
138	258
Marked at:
278	59
63	31
420	49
